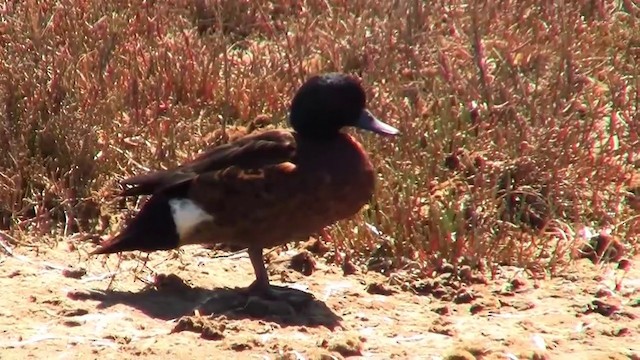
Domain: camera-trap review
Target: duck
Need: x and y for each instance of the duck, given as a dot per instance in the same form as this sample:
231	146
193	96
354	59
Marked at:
264	189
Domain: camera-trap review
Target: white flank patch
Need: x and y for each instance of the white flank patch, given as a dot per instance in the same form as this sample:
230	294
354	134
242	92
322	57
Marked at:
187	215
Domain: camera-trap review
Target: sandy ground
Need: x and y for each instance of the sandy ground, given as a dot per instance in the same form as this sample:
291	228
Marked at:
60	304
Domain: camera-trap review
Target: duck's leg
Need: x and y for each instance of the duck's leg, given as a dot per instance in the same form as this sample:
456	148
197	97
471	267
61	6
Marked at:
261	286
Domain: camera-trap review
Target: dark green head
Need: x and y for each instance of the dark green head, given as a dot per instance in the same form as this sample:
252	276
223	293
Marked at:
326	103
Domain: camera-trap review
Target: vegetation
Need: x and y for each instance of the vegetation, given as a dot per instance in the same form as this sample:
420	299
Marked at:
520	119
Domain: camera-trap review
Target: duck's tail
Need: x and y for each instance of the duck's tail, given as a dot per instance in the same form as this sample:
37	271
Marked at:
152	229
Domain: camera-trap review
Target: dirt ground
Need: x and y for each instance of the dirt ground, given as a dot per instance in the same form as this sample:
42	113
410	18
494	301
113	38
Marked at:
56	305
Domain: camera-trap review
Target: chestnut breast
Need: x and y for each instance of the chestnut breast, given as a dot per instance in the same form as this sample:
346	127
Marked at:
331	181
339	173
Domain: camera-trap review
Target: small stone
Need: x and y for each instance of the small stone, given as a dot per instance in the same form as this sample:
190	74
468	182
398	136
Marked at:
463	296
380	289
74	273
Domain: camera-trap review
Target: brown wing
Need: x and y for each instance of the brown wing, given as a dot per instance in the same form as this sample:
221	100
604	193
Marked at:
269	205
242	195
250	152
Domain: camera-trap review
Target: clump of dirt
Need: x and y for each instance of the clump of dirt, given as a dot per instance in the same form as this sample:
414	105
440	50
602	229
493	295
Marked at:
617	331
379	288
536	355
442	326
244	344
322	355
348	267
603	248
470	276
453	275
602	307
460	354
84	295
74	273
520	305
73	312
429	287
209	328
316	246
468	350
518	284
348	344
464	296
303	262
169	282
447	287
442	310
381	258
624	265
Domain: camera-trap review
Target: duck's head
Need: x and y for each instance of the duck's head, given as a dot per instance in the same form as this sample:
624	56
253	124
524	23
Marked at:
326	103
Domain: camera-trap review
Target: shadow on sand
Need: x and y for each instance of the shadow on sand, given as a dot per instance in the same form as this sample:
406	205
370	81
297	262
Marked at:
175	299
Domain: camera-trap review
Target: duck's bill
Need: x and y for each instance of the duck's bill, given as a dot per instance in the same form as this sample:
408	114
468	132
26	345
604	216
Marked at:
369	122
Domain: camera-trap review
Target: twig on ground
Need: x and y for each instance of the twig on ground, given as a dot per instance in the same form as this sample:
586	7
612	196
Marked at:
6	247
44	337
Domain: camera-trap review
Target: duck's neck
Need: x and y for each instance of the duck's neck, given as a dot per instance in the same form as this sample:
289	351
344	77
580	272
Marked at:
318	137
343	149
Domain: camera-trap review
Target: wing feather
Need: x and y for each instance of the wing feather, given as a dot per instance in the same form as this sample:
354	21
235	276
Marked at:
250	152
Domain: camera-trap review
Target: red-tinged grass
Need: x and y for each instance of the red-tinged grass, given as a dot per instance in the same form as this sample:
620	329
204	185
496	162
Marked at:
520	119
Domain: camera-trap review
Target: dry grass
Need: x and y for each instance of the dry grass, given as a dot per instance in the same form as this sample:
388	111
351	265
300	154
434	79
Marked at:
520	118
